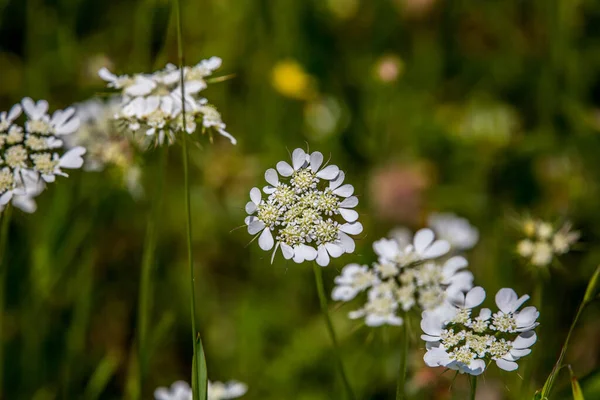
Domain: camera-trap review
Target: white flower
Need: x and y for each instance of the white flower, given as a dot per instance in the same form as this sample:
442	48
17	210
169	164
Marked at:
544	242
154	102
33	150
455	340
353	279
380	309
181	390
456	230
308	213
404	278
225	391
423	247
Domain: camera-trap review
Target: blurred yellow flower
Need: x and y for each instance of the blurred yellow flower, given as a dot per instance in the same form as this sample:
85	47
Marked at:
290	79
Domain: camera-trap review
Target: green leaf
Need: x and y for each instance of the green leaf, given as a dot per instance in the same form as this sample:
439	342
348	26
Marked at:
577	393
592	287
200	375
102	375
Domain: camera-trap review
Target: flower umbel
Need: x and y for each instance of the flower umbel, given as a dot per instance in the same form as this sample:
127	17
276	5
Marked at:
406	275
308	212
458	341
544	242
153	102
31	151
180	390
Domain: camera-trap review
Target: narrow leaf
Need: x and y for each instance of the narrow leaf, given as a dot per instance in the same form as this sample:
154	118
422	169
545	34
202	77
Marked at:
102	376
577	393
200	360
592	287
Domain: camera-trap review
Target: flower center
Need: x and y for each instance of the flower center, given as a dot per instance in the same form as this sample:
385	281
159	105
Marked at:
16	156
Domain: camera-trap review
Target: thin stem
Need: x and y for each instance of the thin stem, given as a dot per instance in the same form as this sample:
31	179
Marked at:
145	292
473	387
555	370
400	389
3	242
336	348
198	392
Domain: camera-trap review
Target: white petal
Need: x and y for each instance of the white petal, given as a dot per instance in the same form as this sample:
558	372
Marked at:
329	172
5	198
322	257
265	241
436	357
25	203
14	112
343	293
437	249
255	227
518	353
505	298
346	242
432	326
271	177
527	316
428	338
316	159
106	75
423	238
454	264
334	250
348	215
235	389
356	314
298	158
477	367
352	228
506	365
349	202
485	314
337	182
255	195
344	190
141	87
375	320
288	251
251	207
310	253
72	158
474	297
520	302
284	169
525	340
226	134
34	110
162	394
69	127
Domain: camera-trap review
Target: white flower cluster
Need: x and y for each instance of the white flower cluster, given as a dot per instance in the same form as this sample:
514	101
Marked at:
300	213
454	229
31	153
544	242
180	390
106	145
405	276
153	102
458	341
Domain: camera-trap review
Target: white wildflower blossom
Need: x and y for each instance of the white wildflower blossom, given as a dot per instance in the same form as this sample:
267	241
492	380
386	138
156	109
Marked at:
181	390
407	275
307	212
32	152
457	341
107	146
153	103
455	230
544	242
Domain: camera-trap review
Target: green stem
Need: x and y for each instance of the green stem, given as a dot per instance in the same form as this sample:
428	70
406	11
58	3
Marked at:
556	369
199	387
401	386
473	387
3	242
336	348
145	292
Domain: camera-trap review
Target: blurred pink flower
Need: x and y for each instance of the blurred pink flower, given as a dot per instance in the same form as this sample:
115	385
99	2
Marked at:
397	191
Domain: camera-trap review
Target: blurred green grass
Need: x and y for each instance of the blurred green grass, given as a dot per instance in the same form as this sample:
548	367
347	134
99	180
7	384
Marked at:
494	113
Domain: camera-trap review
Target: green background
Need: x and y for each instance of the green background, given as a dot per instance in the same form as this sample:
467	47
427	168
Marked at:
495	114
